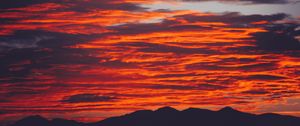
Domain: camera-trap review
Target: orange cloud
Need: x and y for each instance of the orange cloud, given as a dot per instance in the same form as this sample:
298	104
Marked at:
63	58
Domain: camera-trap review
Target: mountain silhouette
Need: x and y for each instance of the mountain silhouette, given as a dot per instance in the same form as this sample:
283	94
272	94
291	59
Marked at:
41	121
168	116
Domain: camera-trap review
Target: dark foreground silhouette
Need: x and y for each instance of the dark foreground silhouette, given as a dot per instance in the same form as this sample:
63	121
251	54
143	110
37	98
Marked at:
168	116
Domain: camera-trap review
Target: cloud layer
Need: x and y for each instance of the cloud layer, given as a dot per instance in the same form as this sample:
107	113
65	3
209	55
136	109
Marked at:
250	1
98	59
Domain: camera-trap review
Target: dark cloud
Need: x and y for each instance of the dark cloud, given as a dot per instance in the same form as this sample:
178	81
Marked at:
21	56
36	49
187	87
4	100
256	92
233	18
52	109
169	25
117	64
165	26
6	20
238	60
279	37
248	67
41	39
81	5
155	64
24	39
171	87
81	98
2	112
175	75
74	5
162	48
6	4
265	77
258	66
22	92
211	87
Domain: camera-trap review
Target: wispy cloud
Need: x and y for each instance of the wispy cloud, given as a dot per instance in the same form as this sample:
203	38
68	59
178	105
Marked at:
91	56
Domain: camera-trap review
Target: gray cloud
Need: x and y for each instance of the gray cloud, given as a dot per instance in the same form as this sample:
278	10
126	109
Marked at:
248	67
175	75
162	48
265	77
233	18
74	5
249	1
88	98
278	38
256	92
187	87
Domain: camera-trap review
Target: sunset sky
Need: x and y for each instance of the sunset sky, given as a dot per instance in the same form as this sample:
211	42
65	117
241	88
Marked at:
87	60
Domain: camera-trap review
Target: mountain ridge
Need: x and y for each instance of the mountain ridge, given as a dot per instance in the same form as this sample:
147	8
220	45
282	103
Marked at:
168	116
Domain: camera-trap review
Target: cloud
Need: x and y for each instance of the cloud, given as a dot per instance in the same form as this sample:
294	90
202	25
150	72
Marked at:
281	37
59	15
118	4
22	92
256	92
175	75
2	112
171	87
182	56
203	87
211	87
24	39
29	51
164	26
232	18
82	98
249	1
192	22
75	5
6	4
265	77
40	39
162	48
117	64
4	100
247	67
52	60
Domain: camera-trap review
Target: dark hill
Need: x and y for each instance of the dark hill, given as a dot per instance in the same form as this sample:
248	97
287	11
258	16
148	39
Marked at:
168	116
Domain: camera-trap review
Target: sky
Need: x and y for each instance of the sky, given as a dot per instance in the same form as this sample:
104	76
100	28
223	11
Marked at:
88	60
221	7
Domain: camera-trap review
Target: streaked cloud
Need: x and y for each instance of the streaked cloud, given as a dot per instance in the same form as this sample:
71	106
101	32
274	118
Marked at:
111	57
87	98
250	1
